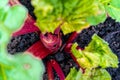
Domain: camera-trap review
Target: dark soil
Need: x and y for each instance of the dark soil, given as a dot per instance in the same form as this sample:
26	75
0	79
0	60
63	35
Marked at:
22	42
109	31
114	40
102	30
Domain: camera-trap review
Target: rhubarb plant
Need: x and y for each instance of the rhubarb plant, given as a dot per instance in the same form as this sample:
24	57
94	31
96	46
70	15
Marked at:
94	59
60	17
17	67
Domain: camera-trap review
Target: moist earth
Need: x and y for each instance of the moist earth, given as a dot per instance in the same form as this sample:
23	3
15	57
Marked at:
109	31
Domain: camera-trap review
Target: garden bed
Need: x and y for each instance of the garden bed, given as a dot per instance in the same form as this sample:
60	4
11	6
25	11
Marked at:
109	31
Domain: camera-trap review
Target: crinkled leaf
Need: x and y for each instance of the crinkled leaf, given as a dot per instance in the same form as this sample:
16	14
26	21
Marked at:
96	19
100	18
96	74
98	45
74	74
85	59
89	74
97	53
71	14
21	67
113	9
15	17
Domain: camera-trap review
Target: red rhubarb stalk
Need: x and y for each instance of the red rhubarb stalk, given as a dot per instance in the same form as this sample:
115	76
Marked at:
68	50
38	50
58	69
70	41
72	37
73	57
50	71
68	46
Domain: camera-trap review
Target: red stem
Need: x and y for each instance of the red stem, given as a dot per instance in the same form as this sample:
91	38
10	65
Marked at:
39	50
73	57
69	45
50	71
72	37
68	50
58	69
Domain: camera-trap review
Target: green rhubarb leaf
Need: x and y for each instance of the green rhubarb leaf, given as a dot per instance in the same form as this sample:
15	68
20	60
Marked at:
3	12
21	67
89	74
86	59
0	35
94	20
100	18
104	2
3	3
74	74
98	45
102	15
97	53
15	17
96	74
113	9
71	15
5	33
17	67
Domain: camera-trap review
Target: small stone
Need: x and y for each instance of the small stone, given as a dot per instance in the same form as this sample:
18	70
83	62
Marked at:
59	56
